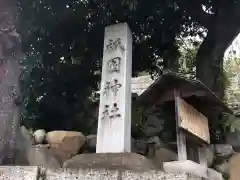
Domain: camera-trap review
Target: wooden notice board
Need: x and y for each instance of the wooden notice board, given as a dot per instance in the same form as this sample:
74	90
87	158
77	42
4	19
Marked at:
192	120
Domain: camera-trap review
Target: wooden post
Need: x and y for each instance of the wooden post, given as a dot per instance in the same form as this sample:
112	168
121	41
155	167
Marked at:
181	139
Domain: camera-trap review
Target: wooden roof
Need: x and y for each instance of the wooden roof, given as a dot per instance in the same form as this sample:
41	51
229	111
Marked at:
162	90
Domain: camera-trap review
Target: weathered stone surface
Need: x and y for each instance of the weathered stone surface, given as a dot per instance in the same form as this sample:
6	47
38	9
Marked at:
153	126
130	161
234	167
33	173
210	154
191	167
106	174
40	156
91	142
233	138
162	155
10	55
26	134
23	145
115	136
65	144
223	151
139	146
18	172
222	167
39	136
154	140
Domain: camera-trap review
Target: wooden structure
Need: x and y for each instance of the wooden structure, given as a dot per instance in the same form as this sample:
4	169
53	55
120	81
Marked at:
194	106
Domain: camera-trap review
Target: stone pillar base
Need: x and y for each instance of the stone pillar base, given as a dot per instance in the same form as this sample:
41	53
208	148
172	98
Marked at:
192	168
124	161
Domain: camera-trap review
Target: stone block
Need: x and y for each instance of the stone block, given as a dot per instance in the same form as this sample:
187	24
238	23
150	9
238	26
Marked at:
65	144
129	161
23	145
18	172
33	173
223	151
41	156
233	138
39	136
91	142
162	155
191	167
234	167
106	174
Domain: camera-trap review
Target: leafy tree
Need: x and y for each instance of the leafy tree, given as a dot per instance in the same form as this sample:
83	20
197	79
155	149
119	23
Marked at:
65	40
232	98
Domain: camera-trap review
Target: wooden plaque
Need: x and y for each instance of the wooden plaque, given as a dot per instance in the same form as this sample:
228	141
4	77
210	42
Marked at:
192	120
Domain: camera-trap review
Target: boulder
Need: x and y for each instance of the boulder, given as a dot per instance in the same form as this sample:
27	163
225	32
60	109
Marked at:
24	142
153	126
233	138
40	156
161	155
210	155
28	155
91	141
223	151
223	167
156	142
119	161
139	146
234	167
39	136
65	144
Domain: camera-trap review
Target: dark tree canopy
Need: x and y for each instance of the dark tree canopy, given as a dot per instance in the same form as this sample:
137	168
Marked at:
63	42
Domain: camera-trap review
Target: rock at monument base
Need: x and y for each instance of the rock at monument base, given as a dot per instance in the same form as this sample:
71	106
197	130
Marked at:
234	167
190	167
223	151
23	146
210	155
39	136
139	146
65	144
233	138
153	126
222	167
162	155
40	156
91	142
128	161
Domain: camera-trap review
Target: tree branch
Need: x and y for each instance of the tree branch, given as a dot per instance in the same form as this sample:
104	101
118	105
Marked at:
193	8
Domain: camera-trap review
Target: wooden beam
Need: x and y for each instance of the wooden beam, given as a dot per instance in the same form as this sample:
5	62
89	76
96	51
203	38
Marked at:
181	139
169	96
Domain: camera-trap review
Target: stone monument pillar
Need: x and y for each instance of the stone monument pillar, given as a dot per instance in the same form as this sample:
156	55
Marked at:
114	121
10	101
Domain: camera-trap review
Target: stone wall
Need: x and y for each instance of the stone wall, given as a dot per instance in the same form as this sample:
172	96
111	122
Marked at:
37	173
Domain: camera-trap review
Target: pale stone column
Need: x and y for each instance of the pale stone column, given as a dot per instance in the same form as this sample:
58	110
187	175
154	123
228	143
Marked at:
114	121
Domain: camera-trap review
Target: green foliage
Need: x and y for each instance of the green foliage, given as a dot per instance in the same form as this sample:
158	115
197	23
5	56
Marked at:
138	120
63	43
231	123
187	60
231	71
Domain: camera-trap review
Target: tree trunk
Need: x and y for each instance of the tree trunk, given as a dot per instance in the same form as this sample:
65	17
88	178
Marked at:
209	60
9	80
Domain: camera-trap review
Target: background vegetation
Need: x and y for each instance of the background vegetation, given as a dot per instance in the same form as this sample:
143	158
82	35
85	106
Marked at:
63	43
